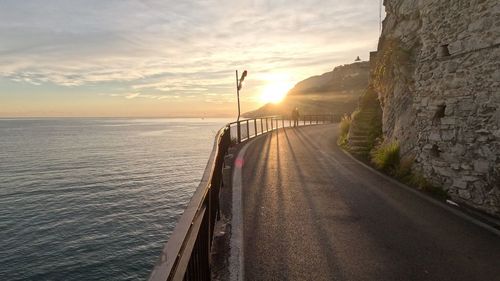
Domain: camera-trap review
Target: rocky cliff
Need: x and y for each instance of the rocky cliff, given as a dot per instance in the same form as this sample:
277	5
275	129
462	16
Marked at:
334	92
437	75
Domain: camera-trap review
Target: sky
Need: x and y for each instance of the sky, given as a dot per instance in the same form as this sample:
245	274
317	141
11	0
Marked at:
160	58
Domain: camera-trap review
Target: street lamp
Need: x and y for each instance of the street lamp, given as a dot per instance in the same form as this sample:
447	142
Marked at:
239	84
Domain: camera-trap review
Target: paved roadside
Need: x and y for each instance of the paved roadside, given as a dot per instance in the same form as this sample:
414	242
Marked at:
310	212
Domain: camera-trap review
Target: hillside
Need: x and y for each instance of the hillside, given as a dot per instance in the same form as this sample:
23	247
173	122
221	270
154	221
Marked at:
334	92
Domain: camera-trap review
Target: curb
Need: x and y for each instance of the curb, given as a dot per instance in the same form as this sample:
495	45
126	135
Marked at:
236	256
455	210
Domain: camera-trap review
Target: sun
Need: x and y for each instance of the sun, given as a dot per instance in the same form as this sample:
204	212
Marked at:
275	91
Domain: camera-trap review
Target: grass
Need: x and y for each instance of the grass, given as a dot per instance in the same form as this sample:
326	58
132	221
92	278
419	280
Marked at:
354	114
403	170
344	126
418	181
386	157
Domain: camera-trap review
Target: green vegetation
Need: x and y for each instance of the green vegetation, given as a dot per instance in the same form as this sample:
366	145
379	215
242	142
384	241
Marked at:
366	126
392	54
386	157
418	181
393	63
354	115
344	125
404	168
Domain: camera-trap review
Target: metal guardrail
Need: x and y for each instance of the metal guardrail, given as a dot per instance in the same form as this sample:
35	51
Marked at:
249	128
186	256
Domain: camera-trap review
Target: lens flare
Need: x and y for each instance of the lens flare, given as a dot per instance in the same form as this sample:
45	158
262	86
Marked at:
275	91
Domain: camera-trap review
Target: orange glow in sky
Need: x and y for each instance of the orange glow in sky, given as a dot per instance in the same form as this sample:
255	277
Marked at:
275	91
170	58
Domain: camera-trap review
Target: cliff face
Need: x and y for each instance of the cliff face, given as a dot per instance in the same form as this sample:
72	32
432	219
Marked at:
335	92
437	74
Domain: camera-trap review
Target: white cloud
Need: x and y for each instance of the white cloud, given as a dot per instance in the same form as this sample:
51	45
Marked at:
178	47
132	96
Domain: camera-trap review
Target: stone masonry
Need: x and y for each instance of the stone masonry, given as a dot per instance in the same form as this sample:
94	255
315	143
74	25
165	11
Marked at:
437	75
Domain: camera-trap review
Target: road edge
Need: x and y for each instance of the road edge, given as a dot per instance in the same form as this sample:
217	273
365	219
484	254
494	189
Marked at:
236	253
236	259
434	201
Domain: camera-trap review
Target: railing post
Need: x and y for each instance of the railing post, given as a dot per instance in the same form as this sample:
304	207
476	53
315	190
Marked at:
282	122
261	127
272	125
248	130
238	128
255	126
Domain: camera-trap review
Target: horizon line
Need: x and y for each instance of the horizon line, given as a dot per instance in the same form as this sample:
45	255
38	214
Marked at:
145	117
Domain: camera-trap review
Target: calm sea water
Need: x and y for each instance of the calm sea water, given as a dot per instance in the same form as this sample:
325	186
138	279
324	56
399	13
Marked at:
95	199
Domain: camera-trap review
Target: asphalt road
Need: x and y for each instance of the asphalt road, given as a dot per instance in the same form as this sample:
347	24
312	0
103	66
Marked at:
310	212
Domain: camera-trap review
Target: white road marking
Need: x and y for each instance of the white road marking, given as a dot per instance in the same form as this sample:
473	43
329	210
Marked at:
236	257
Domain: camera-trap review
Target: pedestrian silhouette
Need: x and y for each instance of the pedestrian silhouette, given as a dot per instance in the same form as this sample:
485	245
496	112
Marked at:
295	116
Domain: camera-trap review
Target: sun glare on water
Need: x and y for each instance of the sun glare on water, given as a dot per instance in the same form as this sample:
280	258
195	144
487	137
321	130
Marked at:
275	91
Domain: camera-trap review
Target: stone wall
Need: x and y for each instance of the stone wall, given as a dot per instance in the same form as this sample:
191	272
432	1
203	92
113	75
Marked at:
437	74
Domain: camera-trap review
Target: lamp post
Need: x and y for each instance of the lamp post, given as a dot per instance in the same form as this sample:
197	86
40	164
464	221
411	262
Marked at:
239	84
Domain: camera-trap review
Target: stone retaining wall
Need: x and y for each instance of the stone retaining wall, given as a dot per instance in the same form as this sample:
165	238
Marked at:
438	80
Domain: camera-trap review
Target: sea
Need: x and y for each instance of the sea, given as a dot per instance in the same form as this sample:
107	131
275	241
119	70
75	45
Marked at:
95	198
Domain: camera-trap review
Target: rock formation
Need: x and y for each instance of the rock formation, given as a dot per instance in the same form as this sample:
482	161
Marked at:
437	75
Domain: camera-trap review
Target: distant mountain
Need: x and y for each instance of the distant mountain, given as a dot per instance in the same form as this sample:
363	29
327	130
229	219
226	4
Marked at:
334	92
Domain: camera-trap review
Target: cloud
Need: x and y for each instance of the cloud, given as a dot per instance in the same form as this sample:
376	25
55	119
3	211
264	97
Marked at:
178	47
132	96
